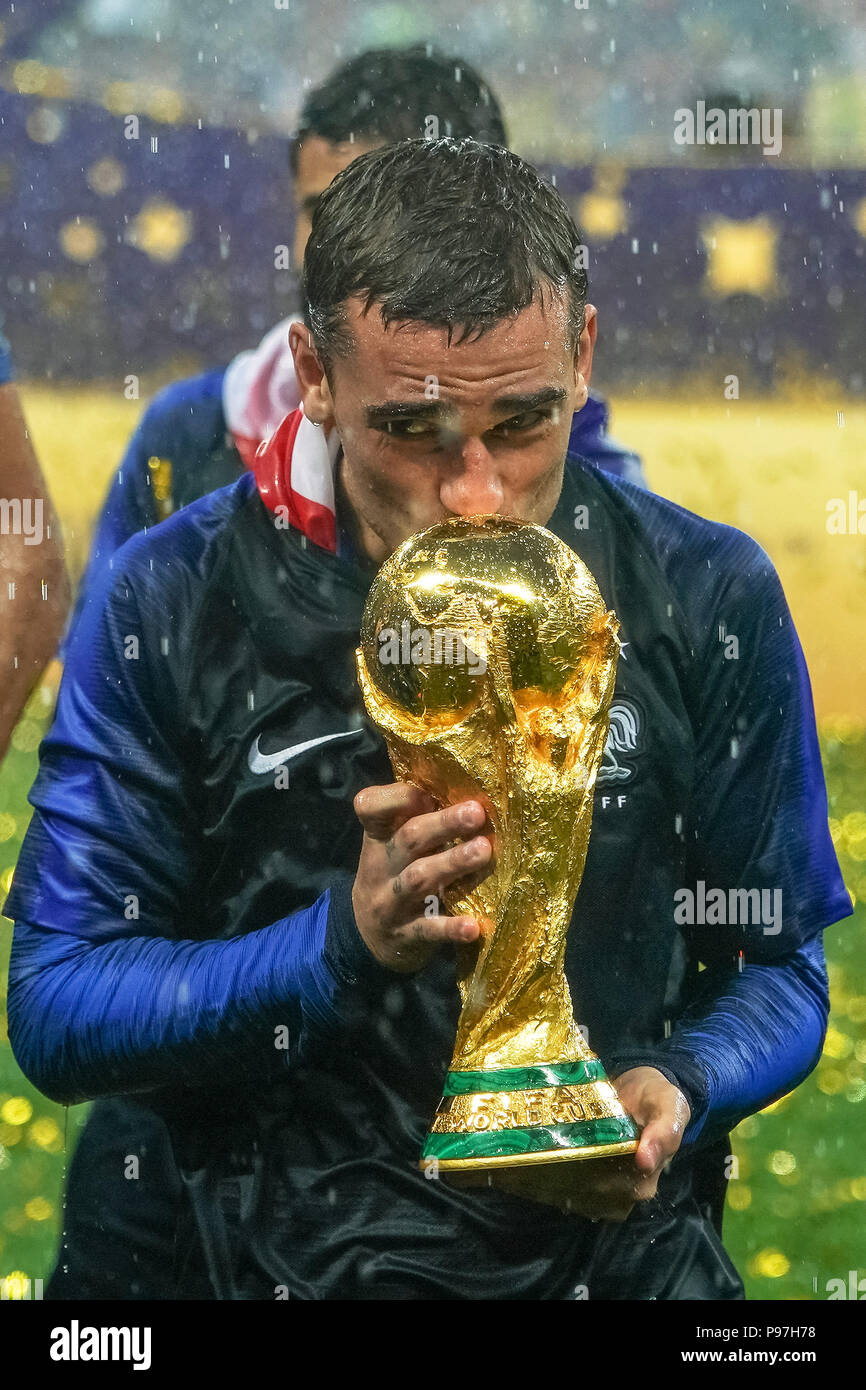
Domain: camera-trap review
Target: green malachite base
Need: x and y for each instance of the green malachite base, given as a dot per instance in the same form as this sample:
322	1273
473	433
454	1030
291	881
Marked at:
542	1143
550	1142
467	1083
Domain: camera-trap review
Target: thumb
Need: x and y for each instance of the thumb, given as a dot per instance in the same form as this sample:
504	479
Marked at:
651	1148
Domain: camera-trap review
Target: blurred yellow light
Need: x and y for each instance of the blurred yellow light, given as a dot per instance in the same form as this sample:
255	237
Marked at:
164	104
770	1264
781	1161
27	736
739	1196
601	215
39	1209
161	230
837	1043
29	77
106	177
16	1111
831	1081
8	826
858	1189
81	240
45	1132
741	255
15	1285
44	125
120	98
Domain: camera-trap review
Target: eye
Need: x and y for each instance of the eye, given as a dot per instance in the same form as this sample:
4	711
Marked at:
527	421
408	428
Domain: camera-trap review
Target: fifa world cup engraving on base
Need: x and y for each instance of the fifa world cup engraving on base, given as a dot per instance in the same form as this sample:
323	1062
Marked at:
488	661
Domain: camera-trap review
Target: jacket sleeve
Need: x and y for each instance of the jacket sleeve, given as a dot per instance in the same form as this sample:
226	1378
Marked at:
750	1036
114	986
140	1013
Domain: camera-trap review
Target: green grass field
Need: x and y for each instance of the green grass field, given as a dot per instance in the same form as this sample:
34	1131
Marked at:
797	1198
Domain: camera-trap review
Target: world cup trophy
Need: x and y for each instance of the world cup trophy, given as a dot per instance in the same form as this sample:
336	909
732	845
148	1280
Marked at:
488	661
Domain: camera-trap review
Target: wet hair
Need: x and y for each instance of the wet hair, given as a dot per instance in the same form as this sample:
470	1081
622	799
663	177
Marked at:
390	94
450	233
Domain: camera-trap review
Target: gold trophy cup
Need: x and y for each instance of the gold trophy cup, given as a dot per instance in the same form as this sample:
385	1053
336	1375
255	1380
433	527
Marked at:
488	660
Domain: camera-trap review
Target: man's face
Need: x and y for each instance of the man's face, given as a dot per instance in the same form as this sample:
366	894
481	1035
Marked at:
431	431
319	162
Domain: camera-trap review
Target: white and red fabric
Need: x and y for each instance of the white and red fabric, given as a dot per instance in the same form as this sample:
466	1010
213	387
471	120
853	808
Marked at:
292	459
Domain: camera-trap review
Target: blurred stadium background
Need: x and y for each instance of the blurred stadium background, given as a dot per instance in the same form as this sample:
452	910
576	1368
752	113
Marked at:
149	259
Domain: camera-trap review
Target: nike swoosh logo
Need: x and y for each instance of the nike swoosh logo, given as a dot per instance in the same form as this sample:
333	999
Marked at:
266	762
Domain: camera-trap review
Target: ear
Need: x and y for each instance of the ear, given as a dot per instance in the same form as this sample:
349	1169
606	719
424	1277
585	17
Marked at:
313	384
584	351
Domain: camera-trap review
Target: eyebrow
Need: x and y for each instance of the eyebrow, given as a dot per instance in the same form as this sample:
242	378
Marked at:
433	410
515	405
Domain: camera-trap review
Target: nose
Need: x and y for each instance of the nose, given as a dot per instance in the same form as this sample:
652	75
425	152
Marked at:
474	486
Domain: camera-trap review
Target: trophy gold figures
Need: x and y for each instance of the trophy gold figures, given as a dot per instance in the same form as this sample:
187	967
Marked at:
488	660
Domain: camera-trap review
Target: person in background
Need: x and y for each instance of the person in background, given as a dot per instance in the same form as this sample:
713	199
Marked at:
34	586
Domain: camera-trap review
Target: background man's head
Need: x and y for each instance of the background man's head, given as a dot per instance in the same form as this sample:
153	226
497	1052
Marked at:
378	98
447	335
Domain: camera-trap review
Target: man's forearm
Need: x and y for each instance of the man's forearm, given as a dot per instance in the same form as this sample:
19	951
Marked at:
752	1036
138	1013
